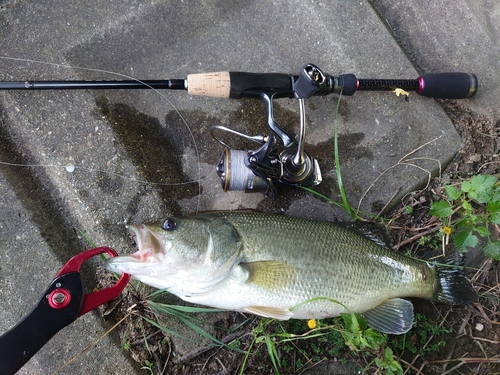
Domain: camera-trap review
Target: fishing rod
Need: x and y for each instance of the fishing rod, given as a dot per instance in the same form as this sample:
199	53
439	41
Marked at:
258	170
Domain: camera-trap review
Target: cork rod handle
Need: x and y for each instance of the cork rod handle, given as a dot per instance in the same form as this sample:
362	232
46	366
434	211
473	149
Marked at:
215	84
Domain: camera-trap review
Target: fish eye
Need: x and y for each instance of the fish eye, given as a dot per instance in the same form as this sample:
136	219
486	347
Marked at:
169	225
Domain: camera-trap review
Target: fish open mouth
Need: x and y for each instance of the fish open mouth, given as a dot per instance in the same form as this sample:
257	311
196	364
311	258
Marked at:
140	235
140	262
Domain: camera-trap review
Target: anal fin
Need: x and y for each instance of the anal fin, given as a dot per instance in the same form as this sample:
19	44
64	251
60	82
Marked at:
394	316
270	312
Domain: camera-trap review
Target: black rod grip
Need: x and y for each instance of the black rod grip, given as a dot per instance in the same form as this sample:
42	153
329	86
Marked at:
269	82
388	84
448	85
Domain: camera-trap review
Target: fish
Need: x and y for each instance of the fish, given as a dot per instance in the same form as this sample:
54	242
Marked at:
286	267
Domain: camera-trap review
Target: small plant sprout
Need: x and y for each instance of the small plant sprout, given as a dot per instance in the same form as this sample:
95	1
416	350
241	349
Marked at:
388	363
148	366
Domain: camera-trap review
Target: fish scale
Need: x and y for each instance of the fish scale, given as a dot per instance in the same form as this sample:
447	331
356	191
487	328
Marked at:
337	256
287	267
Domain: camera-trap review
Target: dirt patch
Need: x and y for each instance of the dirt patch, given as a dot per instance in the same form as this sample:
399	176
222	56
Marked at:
481	136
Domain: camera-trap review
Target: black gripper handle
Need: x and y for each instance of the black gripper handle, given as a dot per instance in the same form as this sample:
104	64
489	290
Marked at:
448	85
22	342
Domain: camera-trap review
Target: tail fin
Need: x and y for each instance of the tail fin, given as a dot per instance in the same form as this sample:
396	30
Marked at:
454	287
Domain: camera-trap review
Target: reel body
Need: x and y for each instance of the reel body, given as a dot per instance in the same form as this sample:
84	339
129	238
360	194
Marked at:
258	170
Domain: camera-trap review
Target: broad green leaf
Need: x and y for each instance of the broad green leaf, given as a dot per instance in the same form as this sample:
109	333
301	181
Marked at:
482	231
466	186
388	363
467	206
462	223
374	338
482	181
351	323
496	194
493	207
481	189
354	323
441	209
492	249
452	192
388	354
363	323
465	239
495	218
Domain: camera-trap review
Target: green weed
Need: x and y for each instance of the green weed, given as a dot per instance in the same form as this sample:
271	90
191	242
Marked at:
285	342
409	210
148	311
126	343
467	212
345	203
148	366
182	313
358	336
388	363
432	241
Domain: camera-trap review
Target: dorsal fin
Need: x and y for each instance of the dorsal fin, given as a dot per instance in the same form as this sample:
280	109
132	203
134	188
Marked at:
373	231
223	212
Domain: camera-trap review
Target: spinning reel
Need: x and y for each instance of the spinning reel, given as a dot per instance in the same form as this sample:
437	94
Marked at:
257	170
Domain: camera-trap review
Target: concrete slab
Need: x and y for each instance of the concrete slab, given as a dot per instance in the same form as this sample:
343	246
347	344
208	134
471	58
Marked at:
137	159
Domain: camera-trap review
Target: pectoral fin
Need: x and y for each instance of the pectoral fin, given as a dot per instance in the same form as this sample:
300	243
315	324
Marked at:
271	275
270	312
394	316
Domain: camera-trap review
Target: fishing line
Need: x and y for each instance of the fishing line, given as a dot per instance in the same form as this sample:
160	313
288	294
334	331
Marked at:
183	120
70	168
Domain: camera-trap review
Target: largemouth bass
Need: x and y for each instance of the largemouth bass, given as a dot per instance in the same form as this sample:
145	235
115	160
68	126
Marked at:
286	267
